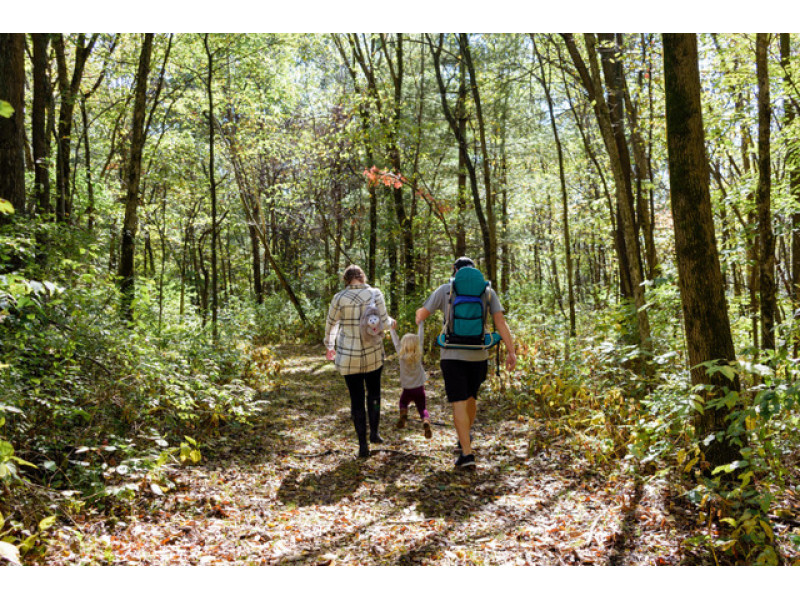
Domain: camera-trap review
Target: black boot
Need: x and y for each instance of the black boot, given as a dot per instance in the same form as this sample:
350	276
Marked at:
363	449
360	423
374	410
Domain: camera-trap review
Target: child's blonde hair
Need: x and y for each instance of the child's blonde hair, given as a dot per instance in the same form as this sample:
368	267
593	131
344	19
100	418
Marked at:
410	350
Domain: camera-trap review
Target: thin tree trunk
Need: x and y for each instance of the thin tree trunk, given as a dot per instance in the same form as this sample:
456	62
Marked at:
463	149
68	89
213	183
90	208
129	226
613	137
487	184
461	116
564	200
766	237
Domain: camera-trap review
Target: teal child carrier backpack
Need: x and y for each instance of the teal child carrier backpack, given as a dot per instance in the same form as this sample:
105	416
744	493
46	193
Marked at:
466	312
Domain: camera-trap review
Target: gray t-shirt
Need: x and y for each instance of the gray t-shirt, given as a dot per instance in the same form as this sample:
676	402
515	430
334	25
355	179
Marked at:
439	300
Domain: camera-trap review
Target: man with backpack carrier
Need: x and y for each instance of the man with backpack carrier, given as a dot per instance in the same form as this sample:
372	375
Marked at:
464	342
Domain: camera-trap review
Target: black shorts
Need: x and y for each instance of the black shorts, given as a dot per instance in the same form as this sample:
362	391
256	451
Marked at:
463	378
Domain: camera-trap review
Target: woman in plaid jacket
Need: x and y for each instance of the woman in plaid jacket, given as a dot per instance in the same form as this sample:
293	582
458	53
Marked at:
361	366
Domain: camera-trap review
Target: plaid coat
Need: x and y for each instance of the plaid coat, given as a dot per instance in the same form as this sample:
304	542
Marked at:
342	331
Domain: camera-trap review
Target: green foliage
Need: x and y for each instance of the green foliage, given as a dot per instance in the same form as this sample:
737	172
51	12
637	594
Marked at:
6	110
101	409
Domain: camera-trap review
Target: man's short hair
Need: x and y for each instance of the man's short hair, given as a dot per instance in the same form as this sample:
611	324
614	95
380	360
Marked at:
464	261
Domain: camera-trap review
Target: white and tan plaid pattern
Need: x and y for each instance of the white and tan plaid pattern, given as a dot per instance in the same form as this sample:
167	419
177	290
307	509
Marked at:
342	330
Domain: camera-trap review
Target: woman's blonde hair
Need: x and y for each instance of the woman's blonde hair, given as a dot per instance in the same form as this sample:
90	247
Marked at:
410	350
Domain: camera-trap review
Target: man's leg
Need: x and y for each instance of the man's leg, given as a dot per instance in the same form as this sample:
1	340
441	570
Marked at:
472	410
462	422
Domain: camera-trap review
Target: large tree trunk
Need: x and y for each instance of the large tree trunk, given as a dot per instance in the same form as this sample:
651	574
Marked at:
765	235
793	166
708	332
129	226
39	134
12	140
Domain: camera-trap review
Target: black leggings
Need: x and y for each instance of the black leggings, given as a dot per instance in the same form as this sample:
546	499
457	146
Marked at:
358	412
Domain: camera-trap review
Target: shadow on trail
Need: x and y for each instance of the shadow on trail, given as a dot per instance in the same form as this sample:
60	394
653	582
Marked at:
625	540
328	487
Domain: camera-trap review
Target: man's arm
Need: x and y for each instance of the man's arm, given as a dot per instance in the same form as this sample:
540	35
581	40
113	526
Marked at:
422	314
505	334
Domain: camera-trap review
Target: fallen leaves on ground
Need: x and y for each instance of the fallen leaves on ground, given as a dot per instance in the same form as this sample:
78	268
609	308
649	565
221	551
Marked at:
289	490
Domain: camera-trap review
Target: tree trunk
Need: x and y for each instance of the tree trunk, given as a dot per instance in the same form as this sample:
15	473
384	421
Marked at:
12	141
461	116
90	208
129	226
404	218
793	166
562	180
488	251
68	89
39	134
213	182
708	333
614	139
491	261
765	235
256	263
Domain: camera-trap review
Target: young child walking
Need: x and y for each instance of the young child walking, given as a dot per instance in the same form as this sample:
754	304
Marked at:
412	376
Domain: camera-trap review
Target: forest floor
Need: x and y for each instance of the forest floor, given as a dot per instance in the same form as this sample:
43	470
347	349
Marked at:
289	490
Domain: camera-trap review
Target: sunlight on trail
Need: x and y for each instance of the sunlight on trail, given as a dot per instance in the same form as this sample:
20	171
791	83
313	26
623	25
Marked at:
290	491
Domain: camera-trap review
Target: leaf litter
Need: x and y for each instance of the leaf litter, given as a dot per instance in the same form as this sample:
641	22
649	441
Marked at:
287	490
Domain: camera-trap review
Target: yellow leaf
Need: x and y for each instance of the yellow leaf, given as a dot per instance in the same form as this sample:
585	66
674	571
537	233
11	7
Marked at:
6	207
47	523
768	530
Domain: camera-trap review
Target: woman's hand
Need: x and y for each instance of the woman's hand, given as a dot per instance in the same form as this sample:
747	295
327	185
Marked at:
330	354
394	324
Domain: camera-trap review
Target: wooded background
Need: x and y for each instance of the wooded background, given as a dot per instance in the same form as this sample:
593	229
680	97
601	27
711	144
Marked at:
175	205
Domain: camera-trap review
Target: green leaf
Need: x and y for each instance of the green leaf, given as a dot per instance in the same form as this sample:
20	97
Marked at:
6	110
10	553
6	450
2	521
47	523
6	207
